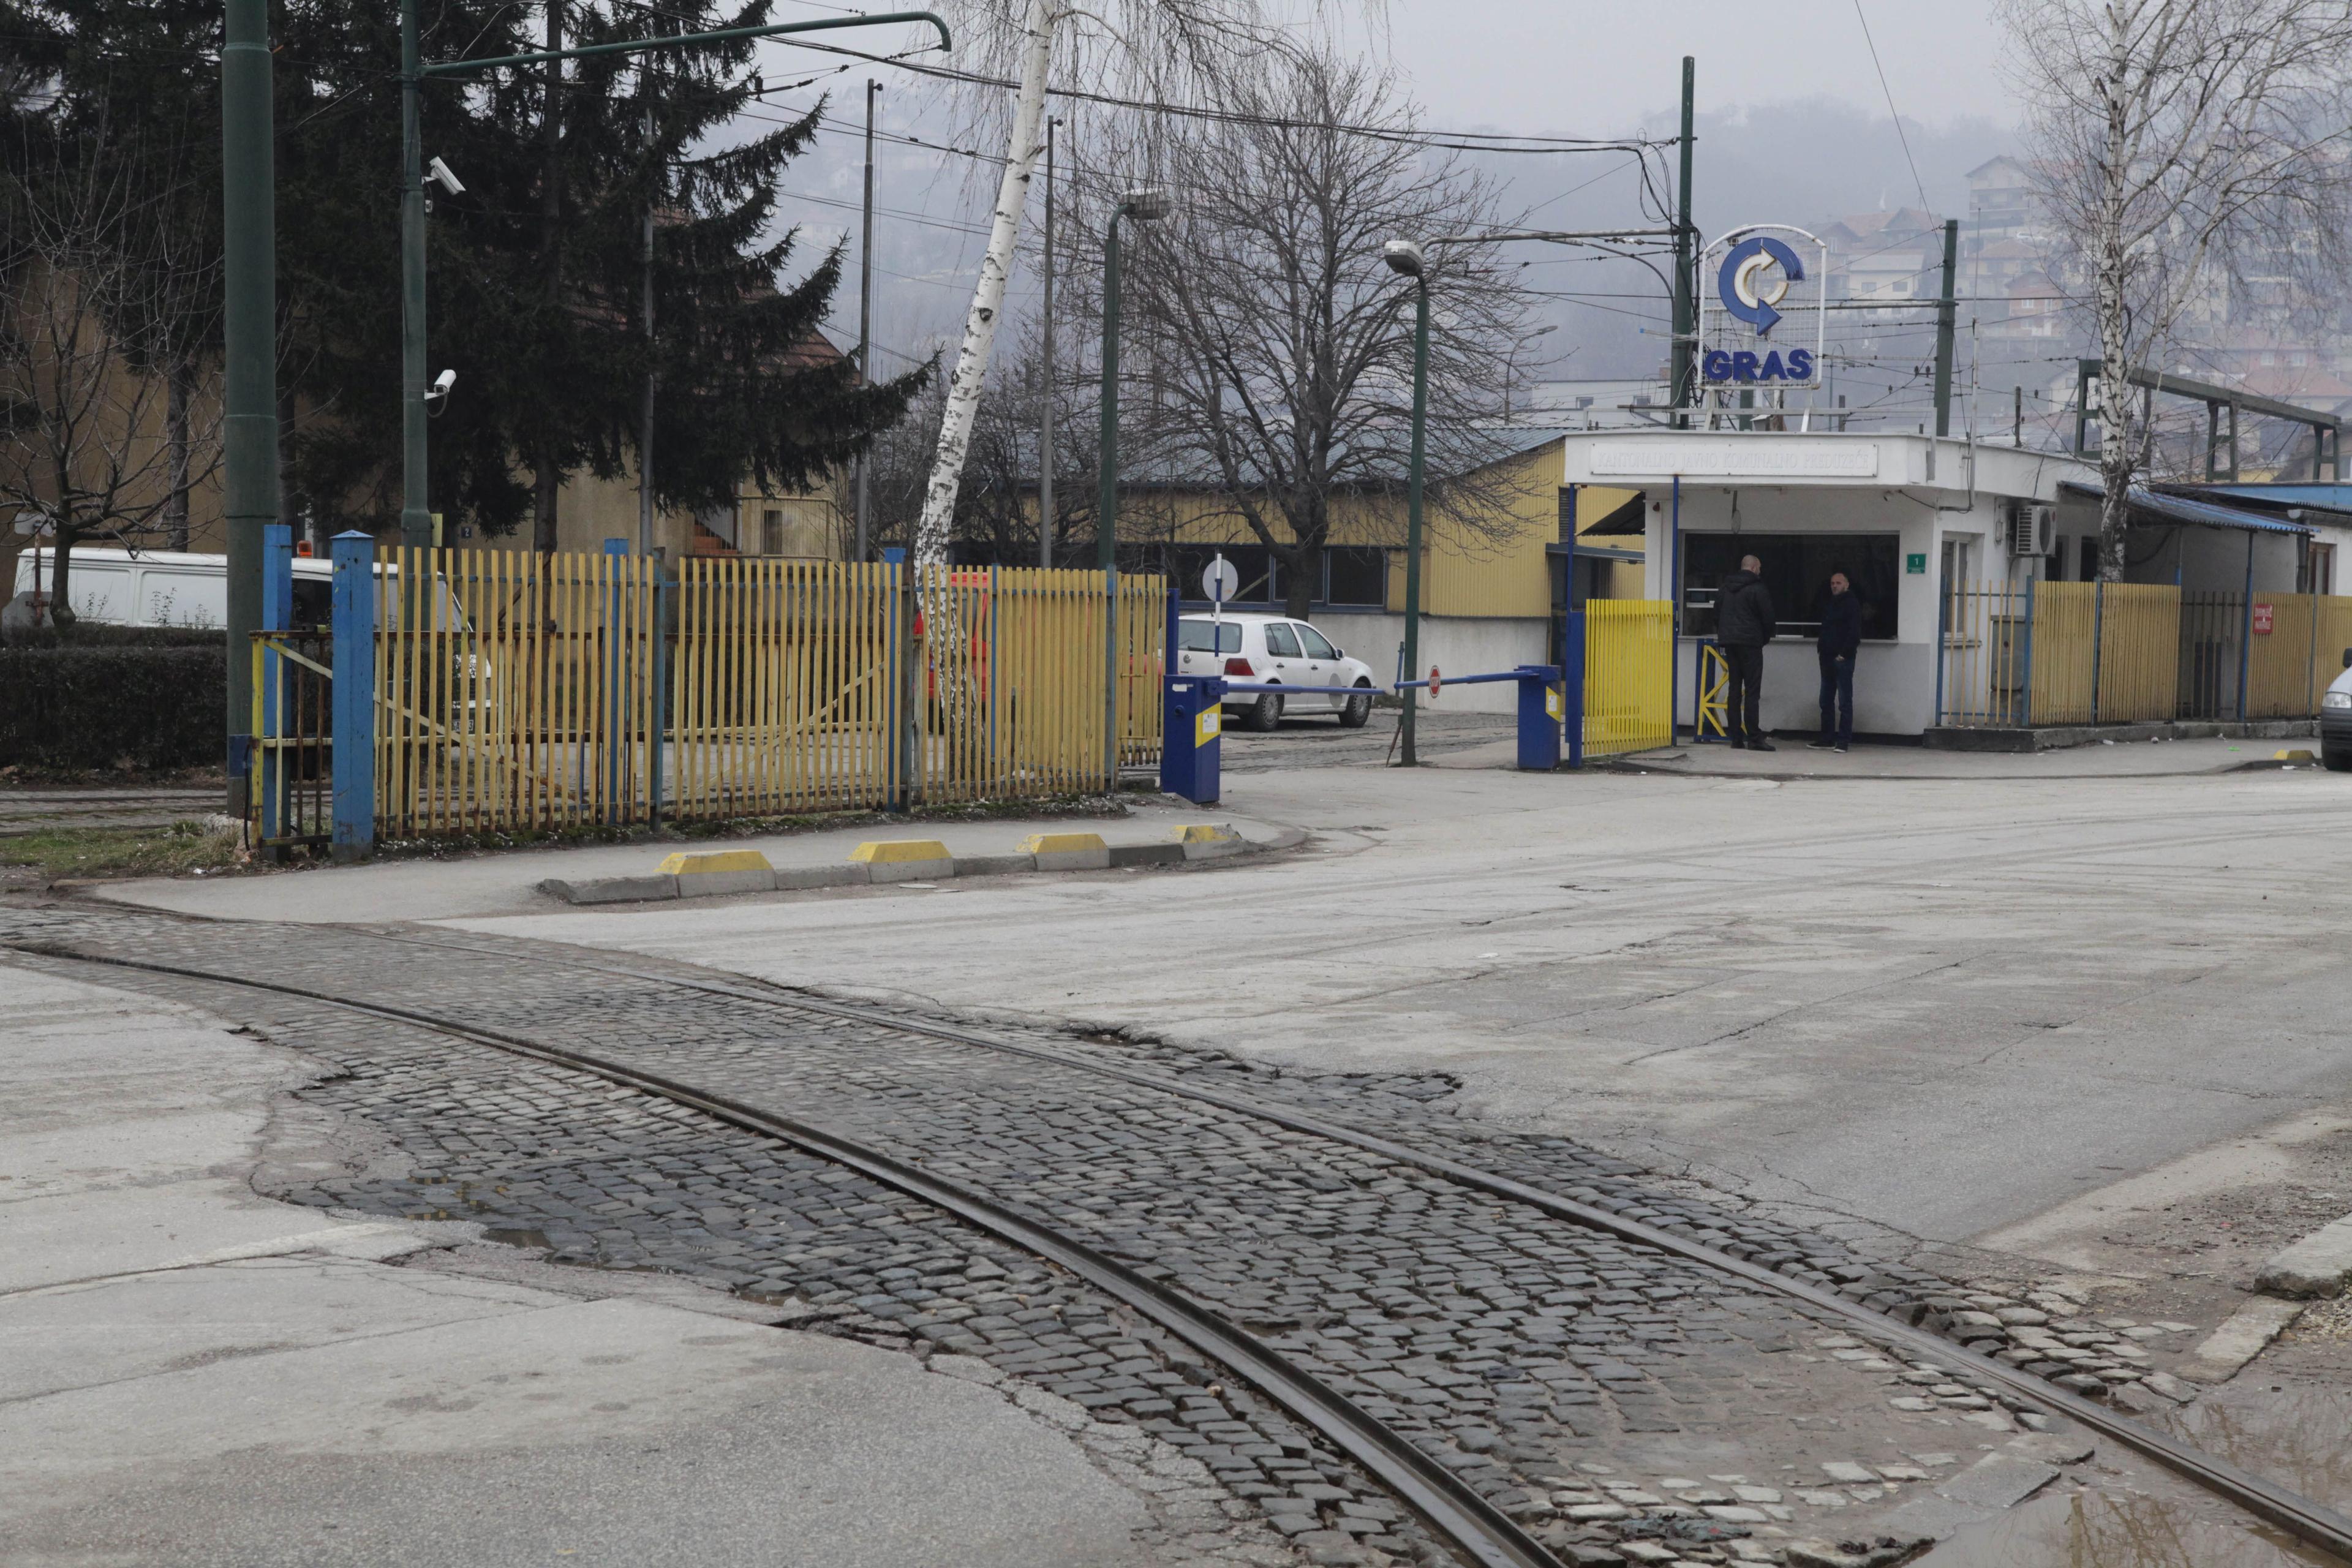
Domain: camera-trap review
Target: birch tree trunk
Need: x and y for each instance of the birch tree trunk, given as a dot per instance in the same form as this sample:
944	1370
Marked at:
2114	348
933	533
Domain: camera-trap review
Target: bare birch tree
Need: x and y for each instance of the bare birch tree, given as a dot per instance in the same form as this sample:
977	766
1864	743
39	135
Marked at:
1154	49
99	290
2176	142
1273	347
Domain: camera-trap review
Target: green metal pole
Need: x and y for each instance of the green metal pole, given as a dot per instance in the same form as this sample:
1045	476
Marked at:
1412	515
1106	501
249	425
1946	315
1682	387
415	507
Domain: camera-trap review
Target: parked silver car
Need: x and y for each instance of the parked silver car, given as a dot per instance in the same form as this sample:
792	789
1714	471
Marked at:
2335	721
1279	652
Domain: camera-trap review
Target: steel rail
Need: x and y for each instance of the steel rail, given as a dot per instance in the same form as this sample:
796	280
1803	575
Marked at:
1456	1510
2309	1521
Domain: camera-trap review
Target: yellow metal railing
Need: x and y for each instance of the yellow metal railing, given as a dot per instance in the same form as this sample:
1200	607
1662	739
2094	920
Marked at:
2139	660
290	781
544	690
1629	652
1711	704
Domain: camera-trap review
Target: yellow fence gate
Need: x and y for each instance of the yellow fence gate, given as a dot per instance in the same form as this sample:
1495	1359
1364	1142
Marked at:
1629	653
520	691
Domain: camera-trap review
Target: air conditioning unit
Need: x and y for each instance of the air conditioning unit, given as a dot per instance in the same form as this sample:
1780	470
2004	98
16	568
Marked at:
2033	530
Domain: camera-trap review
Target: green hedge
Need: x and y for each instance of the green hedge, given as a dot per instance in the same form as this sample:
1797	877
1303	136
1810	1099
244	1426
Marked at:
99	708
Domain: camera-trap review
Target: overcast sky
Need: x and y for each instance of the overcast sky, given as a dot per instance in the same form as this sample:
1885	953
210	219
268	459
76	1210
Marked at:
1603	66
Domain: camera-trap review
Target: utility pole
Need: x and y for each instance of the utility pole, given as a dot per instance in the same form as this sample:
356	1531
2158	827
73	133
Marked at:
1945	317
1682	387
866	304
415	507
249	425
646	404
1045	418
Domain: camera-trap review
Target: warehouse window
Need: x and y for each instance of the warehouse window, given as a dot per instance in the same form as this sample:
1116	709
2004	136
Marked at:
1355	574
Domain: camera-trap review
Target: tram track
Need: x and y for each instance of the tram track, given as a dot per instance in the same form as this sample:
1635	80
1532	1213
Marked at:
1485	1533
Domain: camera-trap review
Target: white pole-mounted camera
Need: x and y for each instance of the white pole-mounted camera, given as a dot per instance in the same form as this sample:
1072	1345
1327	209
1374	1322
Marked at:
439	172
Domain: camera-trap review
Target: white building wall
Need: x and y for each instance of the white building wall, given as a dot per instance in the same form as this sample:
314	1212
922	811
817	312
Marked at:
1456	645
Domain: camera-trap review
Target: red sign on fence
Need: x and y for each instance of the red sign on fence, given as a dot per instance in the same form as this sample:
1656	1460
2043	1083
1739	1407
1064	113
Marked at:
2261	620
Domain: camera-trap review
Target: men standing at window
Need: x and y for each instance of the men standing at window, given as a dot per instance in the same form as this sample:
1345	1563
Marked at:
1840	640
1744	622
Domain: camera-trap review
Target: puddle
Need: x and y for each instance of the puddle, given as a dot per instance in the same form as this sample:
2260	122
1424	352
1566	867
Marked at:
2097	1530
2293	1437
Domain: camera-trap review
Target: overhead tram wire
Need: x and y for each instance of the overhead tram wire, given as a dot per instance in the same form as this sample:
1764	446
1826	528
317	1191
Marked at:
1899	133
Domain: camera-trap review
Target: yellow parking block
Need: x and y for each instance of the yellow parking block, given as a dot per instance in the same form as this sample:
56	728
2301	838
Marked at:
1205	833
892	851
2295	756
710	872
708	861
1062	842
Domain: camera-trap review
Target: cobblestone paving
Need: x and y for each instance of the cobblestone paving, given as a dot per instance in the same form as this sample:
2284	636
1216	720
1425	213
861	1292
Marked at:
1626	1404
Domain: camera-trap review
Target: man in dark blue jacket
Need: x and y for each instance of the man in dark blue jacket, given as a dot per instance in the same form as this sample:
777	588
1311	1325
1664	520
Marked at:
1840	640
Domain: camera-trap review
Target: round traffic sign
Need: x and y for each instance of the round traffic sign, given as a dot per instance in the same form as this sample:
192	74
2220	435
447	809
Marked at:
1219	581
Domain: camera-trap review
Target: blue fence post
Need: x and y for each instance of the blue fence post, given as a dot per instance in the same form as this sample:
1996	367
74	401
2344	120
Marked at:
658	742
2246	629
2098	640
277	614
1572	666
355	721
1674	622
2025	683
898	796
616	700
1943	637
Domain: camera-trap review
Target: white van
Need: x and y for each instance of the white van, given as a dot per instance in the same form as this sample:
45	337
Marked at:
161	587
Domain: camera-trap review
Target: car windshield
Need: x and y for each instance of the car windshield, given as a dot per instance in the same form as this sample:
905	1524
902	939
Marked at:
1208	637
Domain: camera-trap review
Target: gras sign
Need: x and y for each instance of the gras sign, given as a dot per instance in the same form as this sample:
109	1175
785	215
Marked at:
1761	325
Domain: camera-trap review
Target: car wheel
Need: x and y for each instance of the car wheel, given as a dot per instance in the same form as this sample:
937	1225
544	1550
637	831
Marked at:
1355	712
2337	761
1265	715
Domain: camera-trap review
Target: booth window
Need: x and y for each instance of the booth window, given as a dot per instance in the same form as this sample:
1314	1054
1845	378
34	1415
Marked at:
1797	568
1355	574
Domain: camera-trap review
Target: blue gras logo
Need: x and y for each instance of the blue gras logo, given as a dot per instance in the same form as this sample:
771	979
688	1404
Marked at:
1737	284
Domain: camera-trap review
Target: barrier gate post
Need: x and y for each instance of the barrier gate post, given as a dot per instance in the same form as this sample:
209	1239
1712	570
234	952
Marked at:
1190	740
1539	718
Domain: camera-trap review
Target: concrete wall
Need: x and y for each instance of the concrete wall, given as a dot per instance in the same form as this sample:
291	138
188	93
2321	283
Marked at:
1456	645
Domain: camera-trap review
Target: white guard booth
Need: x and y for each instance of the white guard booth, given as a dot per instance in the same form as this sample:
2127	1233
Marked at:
1899	514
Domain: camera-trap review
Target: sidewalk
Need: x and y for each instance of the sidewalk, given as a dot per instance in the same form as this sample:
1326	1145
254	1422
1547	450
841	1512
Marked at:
508	882
2112	760
192	1375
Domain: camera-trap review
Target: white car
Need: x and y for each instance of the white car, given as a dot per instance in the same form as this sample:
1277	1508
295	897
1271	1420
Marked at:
1279	652
2335	721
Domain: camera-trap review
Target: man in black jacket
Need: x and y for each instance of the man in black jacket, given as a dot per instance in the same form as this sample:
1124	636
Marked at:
1840	639
1744	622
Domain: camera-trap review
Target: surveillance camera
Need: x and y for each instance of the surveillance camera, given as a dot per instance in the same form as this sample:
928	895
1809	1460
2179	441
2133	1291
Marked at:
439	172
441	385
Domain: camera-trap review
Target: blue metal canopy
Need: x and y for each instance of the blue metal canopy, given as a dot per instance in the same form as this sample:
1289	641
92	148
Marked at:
2154	506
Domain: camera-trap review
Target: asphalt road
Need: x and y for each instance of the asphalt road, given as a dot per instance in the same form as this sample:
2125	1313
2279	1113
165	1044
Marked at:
1934	1007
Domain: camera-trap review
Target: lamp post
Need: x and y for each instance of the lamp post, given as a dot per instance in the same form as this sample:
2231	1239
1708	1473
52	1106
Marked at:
1146	205
1405	257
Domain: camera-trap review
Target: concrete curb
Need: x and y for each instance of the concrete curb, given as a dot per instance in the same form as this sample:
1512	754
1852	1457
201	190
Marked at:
2319	1265
861	873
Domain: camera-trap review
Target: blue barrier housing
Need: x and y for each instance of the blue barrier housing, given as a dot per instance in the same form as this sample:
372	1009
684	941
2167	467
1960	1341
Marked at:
1190	740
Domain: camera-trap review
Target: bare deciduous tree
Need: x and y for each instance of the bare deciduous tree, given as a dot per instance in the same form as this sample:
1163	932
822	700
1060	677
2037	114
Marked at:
1274	348
2179	145
100	289
1156	50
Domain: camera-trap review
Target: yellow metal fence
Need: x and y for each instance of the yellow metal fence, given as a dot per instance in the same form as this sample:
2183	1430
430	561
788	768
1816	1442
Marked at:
1629	651
520	691
2109	653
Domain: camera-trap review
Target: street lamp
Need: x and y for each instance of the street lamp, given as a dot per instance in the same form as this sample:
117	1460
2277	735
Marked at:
1149	205
1146	205
1404	257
